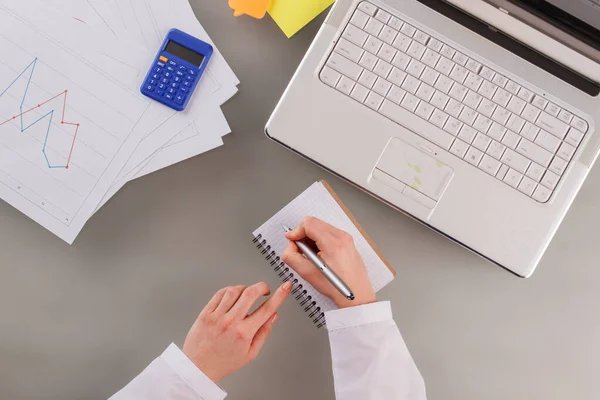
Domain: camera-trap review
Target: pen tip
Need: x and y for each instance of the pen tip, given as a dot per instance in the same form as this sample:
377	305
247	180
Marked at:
285	227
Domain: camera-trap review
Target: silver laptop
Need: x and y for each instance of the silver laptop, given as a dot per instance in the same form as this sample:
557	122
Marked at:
477	118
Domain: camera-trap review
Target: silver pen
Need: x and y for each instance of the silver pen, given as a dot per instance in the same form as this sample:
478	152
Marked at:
331	276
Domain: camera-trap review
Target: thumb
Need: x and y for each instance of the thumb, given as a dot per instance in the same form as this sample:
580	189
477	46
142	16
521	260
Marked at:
262	335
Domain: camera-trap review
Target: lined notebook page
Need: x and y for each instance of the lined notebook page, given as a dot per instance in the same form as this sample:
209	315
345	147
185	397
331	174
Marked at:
316	201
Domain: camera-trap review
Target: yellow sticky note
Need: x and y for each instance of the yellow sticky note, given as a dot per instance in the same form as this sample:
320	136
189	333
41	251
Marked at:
293	15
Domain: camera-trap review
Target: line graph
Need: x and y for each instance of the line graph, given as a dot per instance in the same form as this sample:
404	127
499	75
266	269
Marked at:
48	116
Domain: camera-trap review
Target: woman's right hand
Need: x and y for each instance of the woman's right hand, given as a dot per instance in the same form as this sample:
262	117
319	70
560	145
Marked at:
338	251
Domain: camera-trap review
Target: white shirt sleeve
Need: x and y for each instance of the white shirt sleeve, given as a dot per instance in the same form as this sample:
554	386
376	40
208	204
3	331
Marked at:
172	376
370	359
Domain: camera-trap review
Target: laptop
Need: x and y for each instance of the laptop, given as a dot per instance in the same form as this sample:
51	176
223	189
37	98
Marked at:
477	118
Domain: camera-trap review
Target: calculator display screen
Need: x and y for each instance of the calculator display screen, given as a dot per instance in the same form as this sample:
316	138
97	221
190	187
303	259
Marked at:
184	53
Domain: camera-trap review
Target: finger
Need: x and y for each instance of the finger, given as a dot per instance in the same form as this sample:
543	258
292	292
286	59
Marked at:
232	294
249	297
266	311
314	229
214	302
262	335
292	257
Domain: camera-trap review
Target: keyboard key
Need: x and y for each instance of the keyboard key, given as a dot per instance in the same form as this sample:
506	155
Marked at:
367	78
535	171
527	186
430	76
435	45
402	42
530	131
513	178
482	124
424	110
345	85
473	81
410	102
550	180
374	27
459	148
396	94
579	124
496	131
387	52
539	102
558	166
349	50
458	91
397	76
525	94
439	118
468	116
415	68
388	34
515	161
416	124
382	68
460	58
396	23
542	194
487	108
355	35
496	150
547	141
411	84
481	142
534	152
329	76
430	58
487	73
416	50
501	115
374	101
515	123
373	44
473	156
574	137
439	100
473	99
367	8
383	16
408	30
565	116
488	89
489	165
511	139
459	73
500	80
552	125
425	92
421	37
454	108
531	113
401	60
444	84
502	172
566	151
359	19
452	126
359	93
444	66
474	66
382	86
553	109
467	134
447	51
516	105
502	97
512	87
344	66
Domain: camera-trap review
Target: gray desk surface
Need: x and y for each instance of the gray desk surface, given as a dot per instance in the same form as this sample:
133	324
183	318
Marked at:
79	322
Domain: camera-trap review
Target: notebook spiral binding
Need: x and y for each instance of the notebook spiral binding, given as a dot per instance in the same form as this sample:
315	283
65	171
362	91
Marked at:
305	300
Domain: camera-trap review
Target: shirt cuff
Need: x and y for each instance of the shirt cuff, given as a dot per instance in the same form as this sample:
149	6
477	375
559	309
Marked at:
191	374
359	315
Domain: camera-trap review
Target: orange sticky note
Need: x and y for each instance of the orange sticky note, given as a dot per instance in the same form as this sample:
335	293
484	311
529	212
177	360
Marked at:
252	8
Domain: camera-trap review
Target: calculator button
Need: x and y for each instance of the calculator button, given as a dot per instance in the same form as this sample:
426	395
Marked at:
170	69
164	80
155	76
182	68
179	98
160	92
153	81
150	88
173	63
177	79
162	86
163	58
189	78
183	89
169	96
162	65
168	74
179	73
175	85
171	90
158	71
192	72
187	84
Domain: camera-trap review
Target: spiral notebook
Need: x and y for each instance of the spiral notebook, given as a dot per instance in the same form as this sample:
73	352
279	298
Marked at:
319	201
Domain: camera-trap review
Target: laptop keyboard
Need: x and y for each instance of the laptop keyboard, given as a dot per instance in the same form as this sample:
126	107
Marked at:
466	106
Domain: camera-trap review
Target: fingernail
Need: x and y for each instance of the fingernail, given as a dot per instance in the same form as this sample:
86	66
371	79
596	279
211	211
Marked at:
275	318
287	285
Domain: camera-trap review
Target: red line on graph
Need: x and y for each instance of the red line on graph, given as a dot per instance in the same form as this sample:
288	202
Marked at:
80	20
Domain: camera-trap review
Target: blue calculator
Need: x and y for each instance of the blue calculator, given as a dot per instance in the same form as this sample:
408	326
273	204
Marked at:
177	69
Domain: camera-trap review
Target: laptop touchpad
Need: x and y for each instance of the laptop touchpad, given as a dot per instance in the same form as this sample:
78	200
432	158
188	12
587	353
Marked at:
412	172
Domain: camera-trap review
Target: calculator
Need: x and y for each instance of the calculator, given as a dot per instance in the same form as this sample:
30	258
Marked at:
177	69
